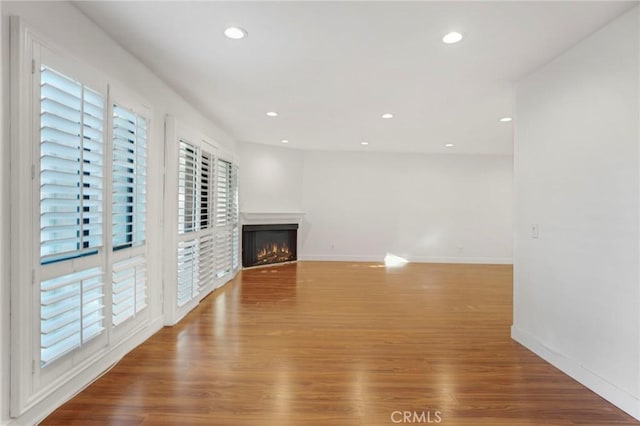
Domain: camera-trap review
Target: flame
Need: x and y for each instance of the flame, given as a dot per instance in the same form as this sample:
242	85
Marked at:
273	252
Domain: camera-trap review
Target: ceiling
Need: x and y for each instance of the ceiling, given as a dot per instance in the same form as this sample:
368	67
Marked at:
330	69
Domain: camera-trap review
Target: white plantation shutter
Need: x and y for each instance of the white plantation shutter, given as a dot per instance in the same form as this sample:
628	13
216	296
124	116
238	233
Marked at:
196	270
129	289
189	158
141	287
235	247
71	167
128	217
224	247
235	218
129	178
71	312
187	287
189	187
78	190
71	214
205	195
235	205
224	194
226	218
208	241
206	262
196	244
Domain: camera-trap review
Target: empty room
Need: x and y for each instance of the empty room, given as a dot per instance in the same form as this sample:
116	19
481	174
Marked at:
319	213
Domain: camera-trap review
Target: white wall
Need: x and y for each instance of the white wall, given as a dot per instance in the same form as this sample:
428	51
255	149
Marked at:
576	297
270	178
361	205
4	237
426	208
68	29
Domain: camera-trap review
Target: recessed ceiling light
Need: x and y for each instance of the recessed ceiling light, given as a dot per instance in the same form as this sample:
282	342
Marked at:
284	141
364	143
387	115
235	33
452	37
448	145
272	114
506	119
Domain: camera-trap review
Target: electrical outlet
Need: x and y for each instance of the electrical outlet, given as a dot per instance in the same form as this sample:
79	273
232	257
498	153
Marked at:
535	230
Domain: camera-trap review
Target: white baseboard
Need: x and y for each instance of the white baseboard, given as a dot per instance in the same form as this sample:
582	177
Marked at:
417	259
609	391
84	378
338	258
475	260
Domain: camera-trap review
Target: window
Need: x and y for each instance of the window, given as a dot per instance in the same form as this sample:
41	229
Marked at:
187	271
195	188
207	240
224	247
235	219
129	136
71	197
129	292
224	196
206	190
71	172
235	247
129	178
227	232
71	205
206	267
78	202
71	312
187	187
195	271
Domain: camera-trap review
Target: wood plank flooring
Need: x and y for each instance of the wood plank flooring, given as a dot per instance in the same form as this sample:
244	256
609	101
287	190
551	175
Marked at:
330	343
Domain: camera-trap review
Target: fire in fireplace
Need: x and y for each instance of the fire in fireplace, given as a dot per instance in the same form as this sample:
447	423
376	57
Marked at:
273	253
268	244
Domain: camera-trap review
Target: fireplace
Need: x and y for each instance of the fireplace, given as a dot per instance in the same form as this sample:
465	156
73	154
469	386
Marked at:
269	244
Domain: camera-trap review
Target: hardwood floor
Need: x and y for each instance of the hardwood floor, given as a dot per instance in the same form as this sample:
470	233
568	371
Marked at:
319	343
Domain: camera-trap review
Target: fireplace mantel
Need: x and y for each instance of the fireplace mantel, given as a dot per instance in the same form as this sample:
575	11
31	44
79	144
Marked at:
259	218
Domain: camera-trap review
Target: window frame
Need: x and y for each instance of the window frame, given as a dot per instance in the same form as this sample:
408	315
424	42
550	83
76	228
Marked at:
43	54
88	171
133	103
140	113
175	132
228	232
31	384
195	237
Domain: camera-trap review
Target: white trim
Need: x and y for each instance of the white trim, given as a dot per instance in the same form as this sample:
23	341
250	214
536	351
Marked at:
21	54
638	261
472	260
597	384
170	225
221	152
260	218
418	259
4	217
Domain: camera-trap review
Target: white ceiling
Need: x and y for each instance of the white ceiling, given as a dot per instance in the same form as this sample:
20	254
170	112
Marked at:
330	69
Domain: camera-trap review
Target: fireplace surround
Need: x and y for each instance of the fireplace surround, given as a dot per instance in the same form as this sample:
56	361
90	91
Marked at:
268	244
